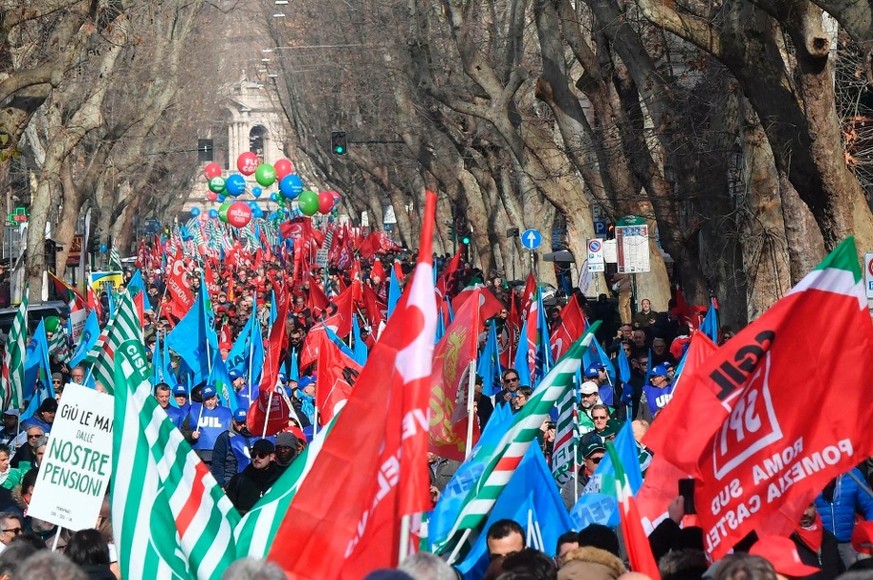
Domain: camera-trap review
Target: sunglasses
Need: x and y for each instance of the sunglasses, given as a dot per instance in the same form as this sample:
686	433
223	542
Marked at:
34	436
260	455
510	380
600	418
15	531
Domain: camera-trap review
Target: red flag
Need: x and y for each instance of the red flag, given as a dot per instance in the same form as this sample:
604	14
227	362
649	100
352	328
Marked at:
571	328
763	424
345	519
377	270
375	308
489	305
94	303
337	374
450	379
446	281
178	288
316	300
529	293
659	486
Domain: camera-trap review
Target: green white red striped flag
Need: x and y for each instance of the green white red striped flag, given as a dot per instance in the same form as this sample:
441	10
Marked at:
498	468
123	326
13	361
170	517
639	552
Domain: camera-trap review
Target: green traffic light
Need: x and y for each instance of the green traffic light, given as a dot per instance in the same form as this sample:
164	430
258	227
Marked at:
466	240
339	150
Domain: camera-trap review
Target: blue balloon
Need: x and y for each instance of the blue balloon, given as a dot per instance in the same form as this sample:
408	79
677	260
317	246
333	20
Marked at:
274	197
258	212
213	213
221	198
195	211
235	184
291	185
256	192
253	205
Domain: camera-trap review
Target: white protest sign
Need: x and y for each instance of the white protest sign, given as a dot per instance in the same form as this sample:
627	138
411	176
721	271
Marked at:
77	463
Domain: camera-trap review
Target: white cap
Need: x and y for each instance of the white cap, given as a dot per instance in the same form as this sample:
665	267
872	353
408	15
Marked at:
13	412
589	388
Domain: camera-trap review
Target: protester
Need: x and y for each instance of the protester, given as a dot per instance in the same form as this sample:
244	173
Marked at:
586	563
247	487
10	527
510	387
657	393
162	395
26	454
816	545
205	422
10	427
504	537
88	550
841	499
231	452
286	450
44	417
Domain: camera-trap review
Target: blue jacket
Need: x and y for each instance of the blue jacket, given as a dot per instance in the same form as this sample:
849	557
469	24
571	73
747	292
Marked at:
839	516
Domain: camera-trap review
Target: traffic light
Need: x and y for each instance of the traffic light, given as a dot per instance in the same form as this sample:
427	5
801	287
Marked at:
466	239
338	143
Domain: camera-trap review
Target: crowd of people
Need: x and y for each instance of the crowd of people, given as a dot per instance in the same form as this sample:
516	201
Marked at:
833	535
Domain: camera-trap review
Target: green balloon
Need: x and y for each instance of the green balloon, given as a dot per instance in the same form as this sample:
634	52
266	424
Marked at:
265	174
216	184
222	211
308	203
51	323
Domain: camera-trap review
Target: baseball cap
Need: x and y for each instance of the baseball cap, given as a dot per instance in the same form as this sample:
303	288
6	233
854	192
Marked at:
282	378
297	432
304	382
661	370
862	538
593	370
262	446
207	391
240	415
234	374
589	388
782	553
285	439
591	448
180	390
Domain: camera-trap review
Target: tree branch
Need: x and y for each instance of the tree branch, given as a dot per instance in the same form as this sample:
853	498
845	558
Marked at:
696	30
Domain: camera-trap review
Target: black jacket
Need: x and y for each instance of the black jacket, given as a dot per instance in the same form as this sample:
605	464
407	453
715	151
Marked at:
246	488
828	559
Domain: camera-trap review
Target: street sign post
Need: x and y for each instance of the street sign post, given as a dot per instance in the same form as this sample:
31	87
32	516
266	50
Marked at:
596	262
531	239
632	245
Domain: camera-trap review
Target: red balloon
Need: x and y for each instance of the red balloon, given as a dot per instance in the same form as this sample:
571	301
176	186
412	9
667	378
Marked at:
283	167
247	163
239	214
212	170
211	196
325	202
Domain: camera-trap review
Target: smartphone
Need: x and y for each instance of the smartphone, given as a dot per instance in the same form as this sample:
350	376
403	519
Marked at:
686	490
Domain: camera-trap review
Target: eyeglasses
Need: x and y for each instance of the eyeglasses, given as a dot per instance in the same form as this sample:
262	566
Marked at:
15	531
599	418
260	455
57	382
510	380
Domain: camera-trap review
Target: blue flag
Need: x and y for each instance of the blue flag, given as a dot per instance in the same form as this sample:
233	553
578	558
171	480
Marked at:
220	379
294	367
158	363
194	339
248	348
624	370
136	284
488	366
530	498
274	312
440	327
36	363
89	336
598	504
394	291
344	348
709	326
360	352
522	366
544	360
171	376
446	511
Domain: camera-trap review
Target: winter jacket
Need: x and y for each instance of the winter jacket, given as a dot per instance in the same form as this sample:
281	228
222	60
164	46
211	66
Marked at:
246	488
838	515
828	559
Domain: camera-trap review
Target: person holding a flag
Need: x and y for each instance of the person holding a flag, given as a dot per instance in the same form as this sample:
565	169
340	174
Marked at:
231	453
205	422
657	393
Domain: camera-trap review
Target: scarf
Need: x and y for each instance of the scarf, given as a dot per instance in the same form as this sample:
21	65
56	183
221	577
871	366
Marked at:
811	535
307	405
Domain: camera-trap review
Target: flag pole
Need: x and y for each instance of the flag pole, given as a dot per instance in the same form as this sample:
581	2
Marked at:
269	404
471	387
403	550
454	555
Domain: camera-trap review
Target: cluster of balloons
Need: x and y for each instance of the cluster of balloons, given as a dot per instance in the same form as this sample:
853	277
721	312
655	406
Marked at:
238	213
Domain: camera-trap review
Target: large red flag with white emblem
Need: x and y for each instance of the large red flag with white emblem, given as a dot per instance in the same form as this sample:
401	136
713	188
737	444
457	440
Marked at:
372	470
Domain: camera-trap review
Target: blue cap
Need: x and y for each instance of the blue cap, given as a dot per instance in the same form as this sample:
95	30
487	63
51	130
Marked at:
180	390
304	382
240	415
593	370
207	391
282	378
234	374
661	370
